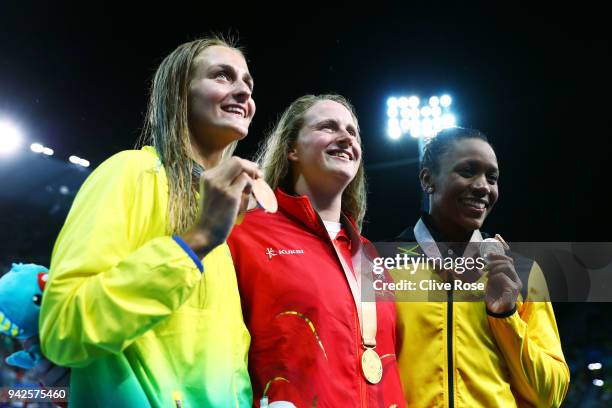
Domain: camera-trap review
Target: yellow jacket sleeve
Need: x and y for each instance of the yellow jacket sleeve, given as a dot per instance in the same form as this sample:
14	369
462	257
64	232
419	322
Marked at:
114	272
529	341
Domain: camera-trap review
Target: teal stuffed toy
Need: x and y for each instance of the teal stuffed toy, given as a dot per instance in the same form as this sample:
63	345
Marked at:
21	291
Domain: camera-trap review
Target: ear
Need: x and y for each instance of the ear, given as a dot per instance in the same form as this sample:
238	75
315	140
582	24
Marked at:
292	155
427	180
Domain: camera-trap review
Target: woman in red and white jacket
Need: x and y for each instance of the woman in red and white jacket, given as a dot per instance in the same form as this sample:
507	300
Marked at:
315	341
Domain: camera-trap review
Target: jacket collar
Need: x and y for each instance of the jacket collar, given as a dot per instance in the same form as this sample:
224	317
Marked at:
299	209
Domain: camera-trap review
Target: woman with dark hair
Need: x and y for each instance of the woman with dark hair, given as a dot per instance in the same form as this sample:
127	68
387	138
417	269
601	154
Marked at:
315	340
142	301
502	350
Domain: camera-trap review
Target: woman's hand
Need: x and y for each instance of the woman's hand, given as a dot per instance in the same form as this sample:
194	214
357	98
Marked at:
223	191
503	285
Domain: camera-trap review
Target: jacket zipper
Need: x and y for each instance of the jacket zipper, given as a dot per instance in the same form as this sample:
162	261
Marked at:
449	347
362	389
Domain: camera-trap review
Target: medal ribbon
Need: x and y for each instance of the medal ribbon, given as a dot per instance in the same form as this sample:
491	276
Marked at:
366	311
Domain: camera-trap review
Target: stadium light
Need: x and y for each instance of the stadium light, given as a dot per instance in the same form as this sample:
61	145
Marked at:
445	101
10	137
38	148
406	115
595	366
598	383
79	161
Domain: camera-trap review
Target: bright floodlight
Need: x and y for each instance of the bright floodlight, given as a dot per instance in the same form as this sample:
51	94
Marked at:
406	115
448	121
425	111
37	147
598	383
595	366
445	101
415	129
437	124
79	161
10	137
394	133
428	128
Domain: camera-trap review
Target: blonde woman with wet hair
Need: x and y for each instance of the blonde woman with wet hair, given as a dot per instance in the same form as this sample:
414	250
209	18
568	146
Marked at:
315	342
142	301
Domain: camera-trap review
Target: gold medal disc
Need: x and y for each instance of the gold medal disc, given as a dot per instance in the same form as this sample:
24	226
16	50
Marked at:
371	366
264	195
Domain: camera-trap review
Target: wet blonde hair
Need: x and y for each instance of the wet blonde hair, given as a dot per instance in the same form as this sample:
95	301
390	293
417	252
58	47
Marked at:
166	128
273	154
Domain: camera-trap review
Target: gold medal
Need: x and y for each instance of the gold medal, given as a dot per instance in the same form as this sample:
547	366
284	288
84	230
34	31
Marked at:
371	366
264	195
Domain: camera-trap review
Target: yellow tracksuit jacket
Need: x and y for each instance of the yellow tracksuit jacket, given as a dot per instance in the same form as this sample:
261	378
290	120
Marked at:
454	354
127	308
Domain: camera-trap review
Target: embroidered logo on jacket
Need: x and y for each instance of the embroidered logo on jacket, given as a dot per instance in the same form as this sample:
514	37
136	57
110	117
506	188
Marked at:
271	252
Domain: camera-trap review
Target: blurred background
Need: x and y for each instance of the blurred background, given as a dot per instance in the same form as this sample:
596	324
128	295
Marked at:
74	80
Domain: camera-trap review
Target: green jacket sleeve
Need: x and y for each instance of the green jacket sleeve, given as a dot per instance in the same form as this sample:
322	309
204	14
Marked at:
114	272
529	341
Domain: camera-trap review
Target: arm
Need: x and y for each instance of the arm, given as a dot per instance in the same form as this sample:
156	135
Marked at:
529	341
112	275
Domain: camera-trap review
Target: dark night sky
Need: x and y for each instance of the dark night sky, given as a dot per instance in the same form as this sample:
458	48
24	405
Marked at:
534	79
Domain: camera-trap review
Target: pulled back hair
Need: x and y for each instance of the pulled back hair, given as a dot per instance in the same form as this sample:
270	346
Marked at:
166	128
274	161
440	144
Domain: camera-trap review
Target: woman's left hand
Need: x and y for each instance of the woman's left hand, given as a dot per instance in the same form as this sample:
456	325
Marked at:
503	285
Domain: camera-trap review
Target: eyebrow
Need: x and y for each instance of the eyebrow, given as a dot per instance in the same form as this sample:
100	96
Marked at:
335	122
479	163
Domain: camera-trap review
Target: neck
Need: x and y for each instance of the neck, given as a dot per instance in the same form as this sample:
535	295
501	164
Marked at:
328	204
449	230
206	156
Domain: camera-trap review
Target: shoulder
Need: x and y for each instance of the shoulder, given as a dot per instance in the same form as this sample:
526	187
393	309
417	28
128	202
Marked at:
128	168
132	161
259	226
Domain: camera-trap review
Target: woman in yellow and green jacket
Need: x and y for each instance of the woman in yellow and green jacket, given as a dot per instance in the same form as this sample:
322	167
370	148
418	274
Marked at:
142	302
501	350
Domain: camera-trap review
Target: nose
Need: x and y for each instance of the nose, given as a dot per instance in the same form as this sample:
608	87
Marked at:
242	91
481	186
345	139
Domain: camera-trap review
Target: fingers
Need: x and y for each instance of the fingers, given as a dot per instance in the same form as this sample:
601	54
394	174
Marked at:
501	280
241	185
227	172
498	257
505	268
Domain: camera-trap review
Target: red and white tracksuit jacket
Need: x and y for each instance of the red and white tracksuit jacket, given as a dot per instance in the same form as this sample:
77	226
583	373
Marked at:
306	343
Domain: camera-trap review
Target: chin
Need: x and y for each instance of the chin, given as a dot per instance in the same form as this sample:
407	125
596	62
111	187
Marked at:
239	132
471	224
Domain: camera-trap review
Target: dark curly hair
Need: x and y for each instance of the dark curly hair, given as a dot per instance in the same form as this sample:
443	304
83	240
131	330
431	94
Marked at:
437	146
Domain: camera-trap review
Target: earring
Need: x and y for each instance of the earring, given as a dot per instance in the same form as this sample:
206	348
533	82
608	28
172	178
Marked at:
429	190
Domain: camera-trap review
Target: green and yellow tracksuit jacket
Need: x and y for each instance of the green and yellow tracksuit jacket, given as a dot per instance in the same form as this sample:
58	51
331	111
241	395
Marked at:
455	354
127	308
